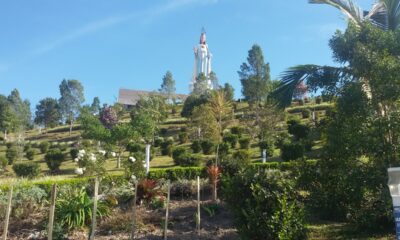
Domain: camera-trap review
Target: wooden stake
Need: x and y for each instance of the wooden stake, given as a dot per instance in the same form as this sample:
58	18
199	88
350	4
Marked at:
52	209
8	212
94	213
198	205
166	212
134	212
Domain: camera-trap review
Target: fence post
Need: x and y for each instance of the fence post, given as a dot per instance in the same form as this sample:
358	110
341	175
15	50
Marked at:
8	212
134	212
166	212
52	209
198	205
94	213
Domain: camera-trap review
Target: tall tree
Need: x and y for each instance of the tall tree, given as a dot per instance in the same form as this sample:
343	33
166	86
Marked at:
229	92
95	107
200	87
214	80
254	76
72	97
48	113
6	116
168	86
21	110
203	121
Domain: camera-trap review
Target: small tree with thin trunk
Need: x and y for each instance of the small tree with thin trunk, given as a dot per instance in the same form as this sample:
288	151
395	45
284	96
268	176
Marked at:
72	97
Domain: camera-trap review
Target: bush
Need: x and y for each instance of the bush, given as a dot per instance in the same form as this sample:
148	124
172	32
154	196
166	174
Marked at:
292	151
301	102
3	163
166	147
54	158
237	130
305	113
30	154
27	147
240	160
29	170
135	147
244	143
183	137
188	160
232	139
281	138
196	146
267	145
12	154
158	141
134	168
73	153
208	147
177	152
264	205
223	150
175	173
44	147
318	100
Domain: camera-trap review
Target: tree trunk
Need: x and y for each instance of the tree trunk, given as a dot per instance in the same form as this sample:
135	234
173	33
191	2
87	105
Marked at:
214	194
5	135
119	160
70	127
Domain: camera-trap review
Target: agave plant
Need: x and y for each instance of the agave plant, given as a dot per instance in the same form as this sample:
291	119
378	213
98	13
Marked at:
384	14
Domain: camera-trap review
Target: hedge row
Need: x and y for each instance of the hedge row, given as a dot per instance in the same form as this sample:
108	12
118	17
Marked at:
321	107
172	174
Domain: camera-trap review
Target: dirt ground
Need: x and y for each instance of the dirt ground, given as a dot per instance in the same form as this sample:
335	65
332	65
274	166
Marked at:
181	224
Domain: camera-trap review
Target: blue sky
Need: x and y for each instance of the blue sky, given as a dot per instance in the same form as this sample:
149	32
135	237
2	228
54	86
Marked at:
123	43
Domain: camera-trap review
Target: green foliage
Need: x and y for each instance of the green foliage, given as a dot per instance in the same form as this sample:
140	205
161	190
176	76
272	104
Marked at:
176	173
237	130
183	158
292	151
133	147
231	138
44	147
72	96
211	209
29	170
3	163
255	76
240	160
74	209
191	102
134	168
48	113
183	137
298	130
229	92
267	145
264	205
54	158
166	147
12	154
177	152
208	147
73	152
196	146
244	143
30	154
305	113
318	100
168	85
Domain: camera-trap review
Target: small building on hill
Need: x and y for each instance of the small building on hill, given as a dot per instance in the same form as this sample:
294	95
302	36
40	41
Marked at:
129	97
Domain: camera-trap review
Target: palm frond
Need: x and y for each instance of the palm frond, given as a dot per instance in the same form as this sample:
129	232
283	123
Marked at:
316	77
348	7
393	13
378	15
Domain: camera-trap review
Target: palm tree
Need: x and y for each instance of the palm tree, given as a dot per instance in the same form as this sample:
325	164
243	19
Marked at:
384	14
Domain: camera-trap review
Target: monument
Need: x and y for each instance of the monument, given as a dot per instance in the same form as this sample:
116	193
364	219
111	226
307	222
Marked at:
202	61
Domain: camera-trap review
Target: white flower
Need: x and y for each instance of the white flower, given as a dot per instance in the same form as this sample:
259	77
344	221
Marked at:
92	157
79	171
102	152
76	159
145	165
81	153
113	154
133	177
132	159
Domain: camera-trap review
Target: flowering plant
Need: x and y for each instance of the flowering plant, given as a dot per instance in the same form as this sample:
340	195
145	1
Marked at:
134	168
90	163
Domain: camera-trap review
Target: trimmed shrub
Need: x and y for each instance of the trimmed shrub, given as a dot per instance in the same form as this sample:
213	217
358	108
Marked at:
301	102
12	154
300	131
267	145
305	113
292	151
186	159
73	153
318	100
237	130
54	158
223	150
44	147
232	139
29	170
183	137
3	163
196	146
282	138
177	152
30	154
208	147
166	147
264	205
176	173
240	160
27	146
158	141
135	147
244	143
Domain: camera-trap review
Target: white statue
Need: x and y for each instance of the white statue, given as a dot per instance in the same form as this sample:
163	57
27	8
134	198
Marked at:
202	61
